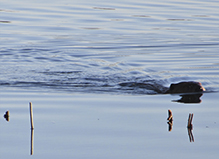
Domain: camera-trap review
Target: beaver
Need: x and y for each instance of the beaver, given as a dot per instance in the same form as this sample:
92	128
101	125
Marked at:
182	87
185	87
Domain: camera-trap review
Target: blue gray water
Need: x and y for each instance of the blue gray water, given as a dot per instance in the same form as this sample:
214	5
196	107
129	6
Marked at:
93	46
100	48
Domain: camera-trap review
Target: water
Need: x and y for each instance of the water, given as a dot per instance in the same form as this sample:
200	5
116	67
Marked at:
88	67
106	126
93	46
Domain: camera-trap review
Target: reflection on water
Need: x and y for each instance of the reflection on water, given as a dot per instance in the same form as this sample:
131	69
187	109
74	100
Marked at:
191	138
189	98
170	120
6	116
189	124
31	141
170	126
67	124
123	47
32	127
190	127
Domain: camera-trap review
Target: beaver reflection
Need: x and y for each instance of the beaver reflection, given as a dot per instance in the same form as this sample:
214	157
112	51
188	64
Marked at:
189	98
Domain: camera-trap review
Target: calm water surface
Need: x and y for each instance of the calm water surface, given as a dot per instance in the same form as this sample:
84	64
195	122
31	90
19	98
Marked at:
107	126
73	60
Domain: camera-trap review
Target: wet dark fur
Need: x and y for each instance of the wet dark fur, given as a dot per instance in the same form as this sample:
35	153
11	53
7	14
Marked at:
185	87
182	87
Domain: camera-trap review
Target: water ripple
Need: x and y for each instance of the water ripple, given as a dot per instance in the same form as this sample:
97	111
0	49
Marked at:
108	47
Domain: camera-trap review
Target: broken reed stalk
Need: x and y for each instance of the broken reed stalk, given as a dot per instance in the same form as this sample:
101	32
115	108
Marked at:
170	117
31	116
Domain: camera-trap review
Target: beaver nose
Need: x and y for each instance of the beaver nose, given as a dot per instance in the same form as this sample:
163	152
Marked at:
202	88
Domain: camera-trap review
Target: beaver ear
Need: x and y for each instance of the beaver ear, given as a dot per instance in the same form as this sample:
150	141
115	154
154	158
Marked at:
172	87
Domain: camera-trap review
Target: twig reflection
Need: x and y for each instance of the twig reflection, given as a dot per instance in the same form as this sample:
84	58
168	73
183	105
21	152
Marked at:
170	127
190	127
170	120
31	141
32	128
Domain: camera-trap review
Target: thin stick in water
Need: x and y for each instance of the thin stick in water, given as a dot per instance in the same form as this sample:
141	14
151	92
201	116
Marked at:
31	116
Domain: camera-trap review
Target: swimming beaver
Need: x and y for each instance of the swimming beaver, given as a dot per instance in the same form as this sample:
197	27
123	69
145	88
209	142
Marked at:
185	87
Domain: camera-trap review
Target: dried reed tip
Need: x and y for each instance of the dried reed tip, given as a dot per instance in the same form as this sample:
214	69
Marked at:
170	115
6	115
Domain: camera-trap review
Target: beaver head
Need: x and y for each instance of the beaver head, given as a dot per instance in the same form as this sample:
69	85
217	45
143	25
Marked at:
186	87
